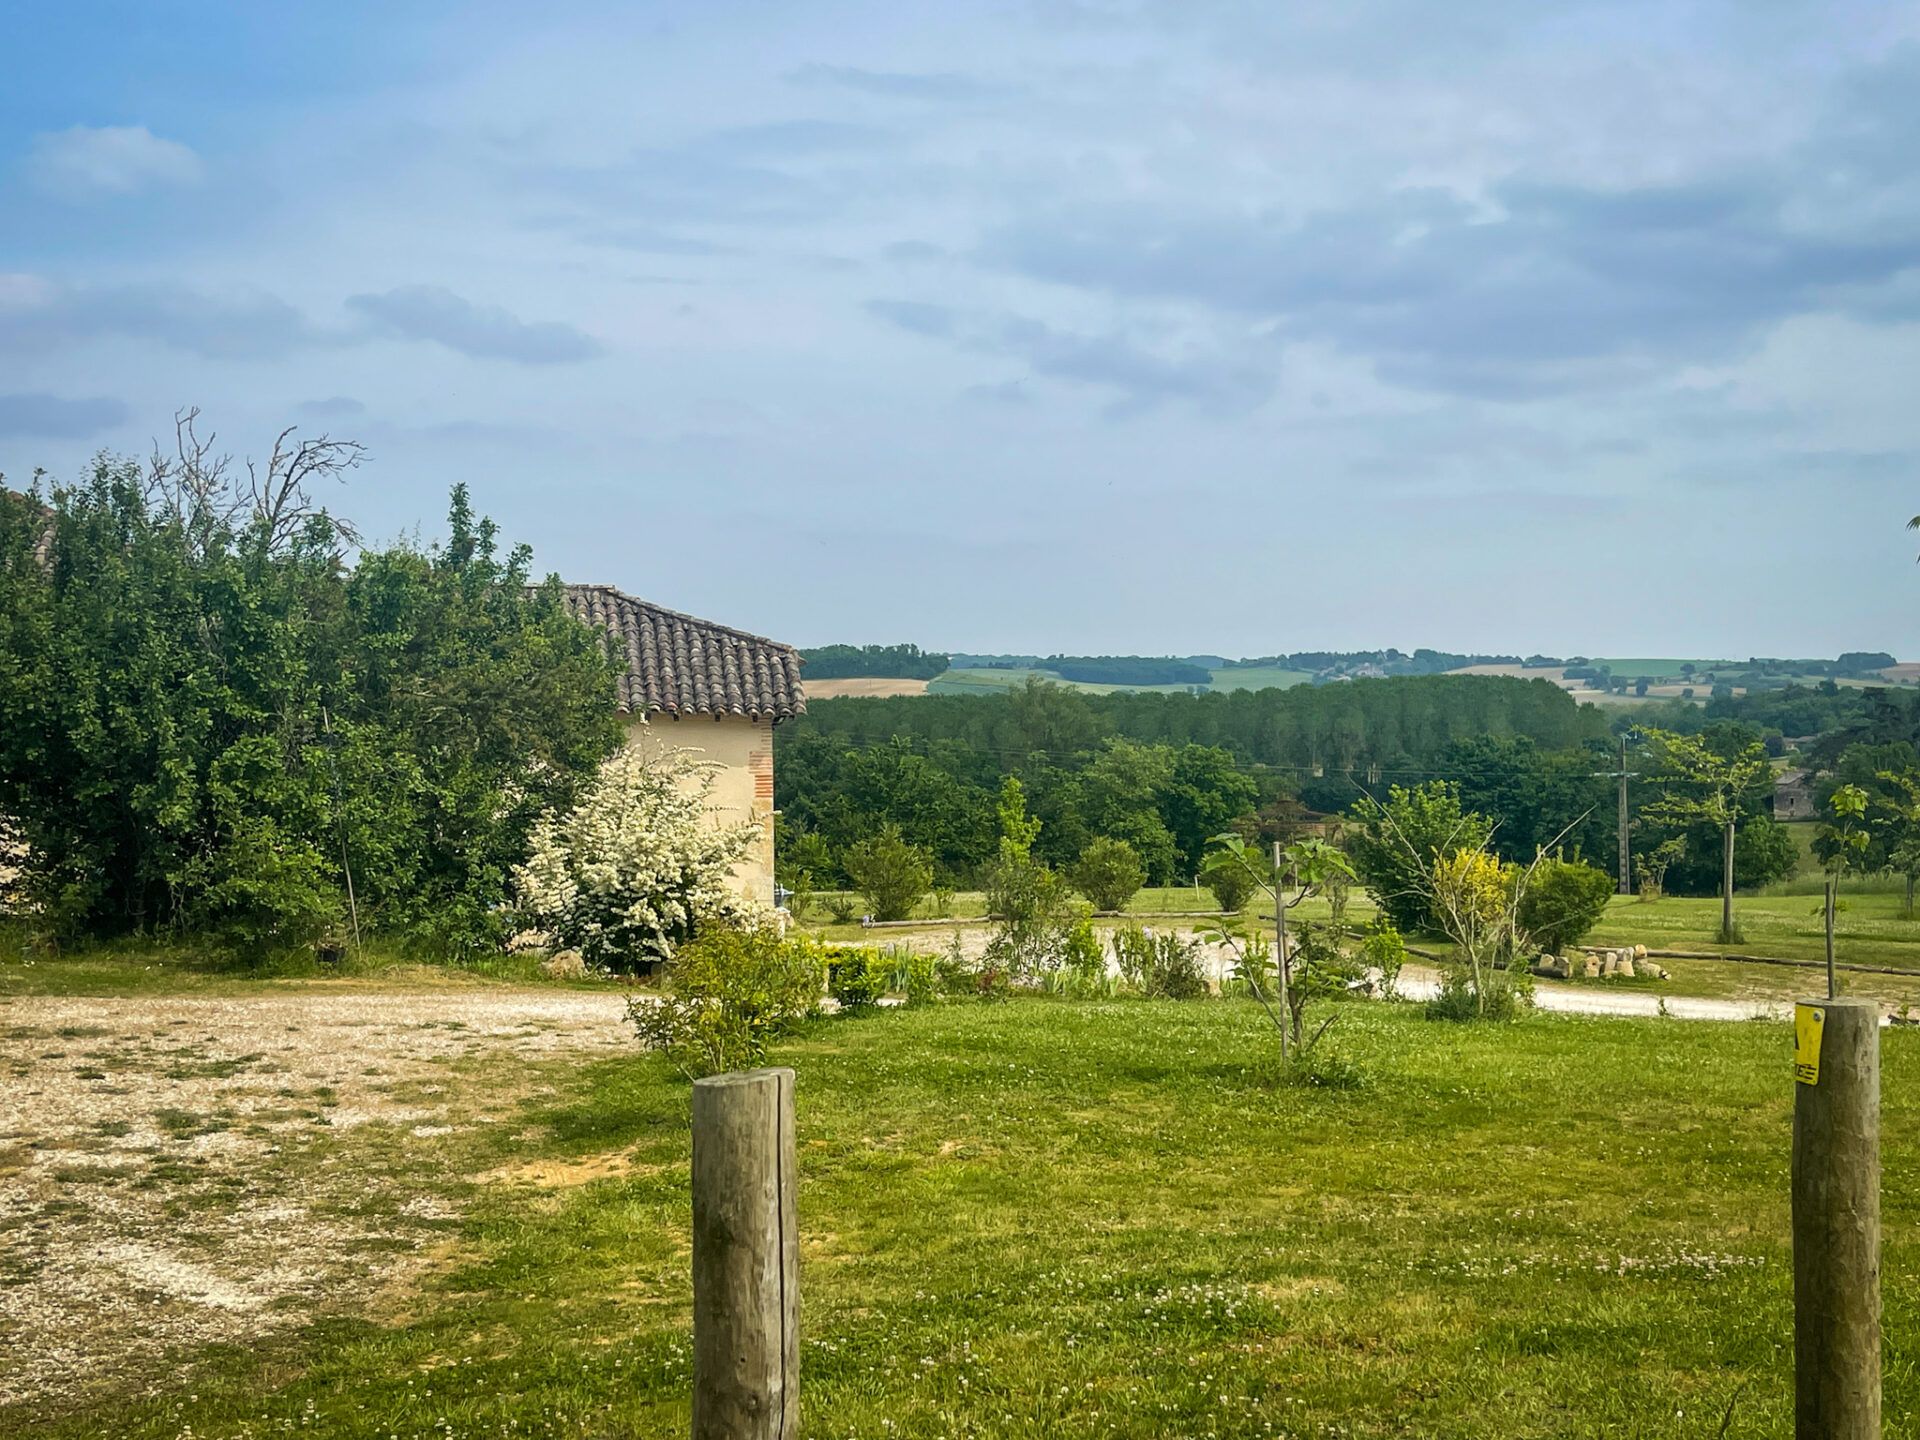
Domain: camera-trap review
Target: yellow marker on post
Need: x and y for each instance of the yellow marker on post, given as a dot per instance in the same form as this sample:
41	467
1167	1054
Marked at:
1809	1024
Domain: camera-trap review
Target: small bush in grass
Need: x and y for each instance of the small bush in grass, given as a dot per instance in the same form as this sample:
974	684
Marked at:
842	908
1161	967
916	975
892	874
731	991
1083	963
1562	902
1108	873
1382	949
856	976
1230	881
1458	1000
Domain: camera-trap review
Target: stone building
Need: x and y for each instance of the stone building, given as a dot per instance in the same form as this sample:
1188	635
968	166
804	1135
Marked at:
694	685
1792	795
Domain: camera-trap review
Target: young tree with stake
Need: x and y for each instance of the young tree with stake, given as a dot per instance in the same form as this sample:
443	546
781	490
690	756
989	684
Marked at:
1705	786
1300	871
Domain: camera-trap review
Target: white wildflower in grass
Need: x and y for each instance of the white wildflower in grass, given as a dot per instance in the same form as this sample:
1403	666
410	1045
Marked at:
637	865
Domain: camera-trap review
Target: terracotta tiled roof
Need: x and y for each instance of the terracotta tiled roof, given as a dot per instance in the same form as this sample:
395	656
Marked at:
686	666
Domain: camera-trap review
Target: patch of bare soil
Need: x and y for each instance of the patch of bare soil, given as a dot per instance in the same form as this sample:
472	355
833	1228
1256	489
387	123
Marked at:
179	1171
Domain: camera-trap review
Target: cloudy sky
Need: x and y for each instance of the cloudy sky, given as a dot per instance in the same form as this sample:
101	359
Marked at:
1164	325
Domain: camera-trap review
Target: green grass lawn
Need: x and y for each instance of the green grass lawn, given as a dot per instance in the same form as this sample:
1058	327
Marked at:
1041	1219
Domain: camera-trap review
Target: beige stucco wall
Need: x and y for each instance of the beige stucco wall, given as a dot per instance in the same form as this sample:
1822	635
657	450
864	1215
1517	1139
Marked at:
742	786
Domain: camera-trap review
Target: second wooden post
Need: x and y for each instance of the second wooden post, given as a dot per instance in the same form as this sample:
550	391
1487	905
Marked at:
746	1250
1836	1220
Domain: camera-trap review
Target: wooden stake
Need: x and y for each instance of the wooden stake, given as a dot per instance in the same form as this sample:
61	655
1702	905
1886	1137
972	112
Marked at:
1836	1220
746	1250
1280	951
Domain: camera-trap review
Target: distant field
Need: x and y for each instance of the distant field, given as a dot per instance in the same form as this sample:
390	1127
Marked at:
993	681
863	685
1259	677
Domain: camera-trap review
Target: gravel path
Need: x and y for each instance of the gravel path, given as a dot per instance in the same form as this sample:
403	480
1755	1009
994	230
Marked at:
1420	982
172	1170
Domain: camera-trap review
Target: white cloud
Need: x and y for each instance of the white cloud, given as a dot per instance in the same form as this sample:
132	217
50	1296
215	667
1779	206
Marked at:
94	161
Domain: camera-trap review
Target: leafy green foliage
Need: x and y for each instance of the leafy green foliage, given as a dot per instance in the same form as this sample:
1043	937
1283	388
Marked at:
732	991
205	717
1563	900
1108	873
1382	949
1161	966
1394	843
892	874
857	976
1231	881
1027	900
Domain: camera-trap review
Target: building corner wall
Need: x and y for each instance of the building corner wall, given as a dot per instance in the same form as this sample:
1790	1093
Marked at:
742	750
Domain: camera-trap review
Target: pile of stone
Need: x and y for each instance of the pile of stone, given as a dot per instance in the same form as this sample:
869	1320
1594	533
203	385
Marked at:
1629	960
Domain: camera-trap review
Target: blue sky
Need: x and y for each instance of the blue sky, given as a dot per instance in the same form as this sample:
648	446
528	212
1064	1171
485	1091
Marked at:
1173	325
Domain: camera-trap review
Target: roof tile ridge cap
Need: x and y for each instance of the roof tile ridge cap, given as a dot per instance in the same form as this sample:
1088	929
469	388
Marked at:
680	615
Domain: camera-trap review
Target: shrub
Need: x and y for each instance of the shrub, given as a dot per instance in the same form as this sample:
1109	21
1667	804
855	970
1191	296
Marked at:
1231	883
1382	949
1027	900
1162	967
207	717
892	874
1562	902
731	991
1458	1000
1393	845
917	976
856	976
841	907
1108	873
637	867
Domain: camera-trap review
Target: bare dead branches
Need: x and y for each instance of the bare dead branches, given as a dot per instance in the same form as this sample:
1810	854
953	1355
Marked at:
200	488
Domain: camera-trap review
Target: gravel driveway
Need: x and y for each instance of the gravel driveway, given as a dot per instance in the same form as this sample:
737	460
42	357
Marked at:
172	1170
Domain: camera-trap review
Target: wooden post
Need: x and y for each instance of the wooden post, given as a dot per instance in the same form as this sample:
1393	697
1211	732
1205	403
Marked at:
1280	951
1836	1220
1833	901
1726	888
746	1250
1625	885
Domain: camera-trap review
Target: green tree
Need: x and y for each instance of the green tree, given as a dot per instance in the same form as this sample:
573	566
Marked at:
1205	792
1900	803
892	874
1121	793
1287	976
1231	882
206	719
1108	873
1025	898
1562	903
1842	844
1394	843
1704	783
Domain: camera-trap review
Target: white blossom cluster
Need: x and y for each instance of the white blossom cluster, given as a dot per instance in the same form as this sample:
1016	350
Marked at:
637	865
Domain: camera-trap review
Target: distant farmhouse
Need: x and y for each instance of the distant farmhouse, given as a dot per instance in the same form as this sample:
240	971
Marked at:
694	685
1792	795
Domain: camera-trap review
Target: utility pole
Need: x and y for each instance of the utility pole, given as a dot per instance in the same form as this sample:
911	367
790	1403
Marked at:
1626	849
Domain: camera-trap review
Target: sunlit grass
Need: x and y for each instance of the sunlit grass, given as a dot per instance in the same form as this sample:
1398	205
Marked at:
1040	1219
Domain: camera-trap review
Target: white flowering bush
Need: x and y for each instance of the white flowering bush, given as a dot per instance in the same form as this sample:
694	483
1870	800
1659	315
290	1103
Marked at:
637	866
